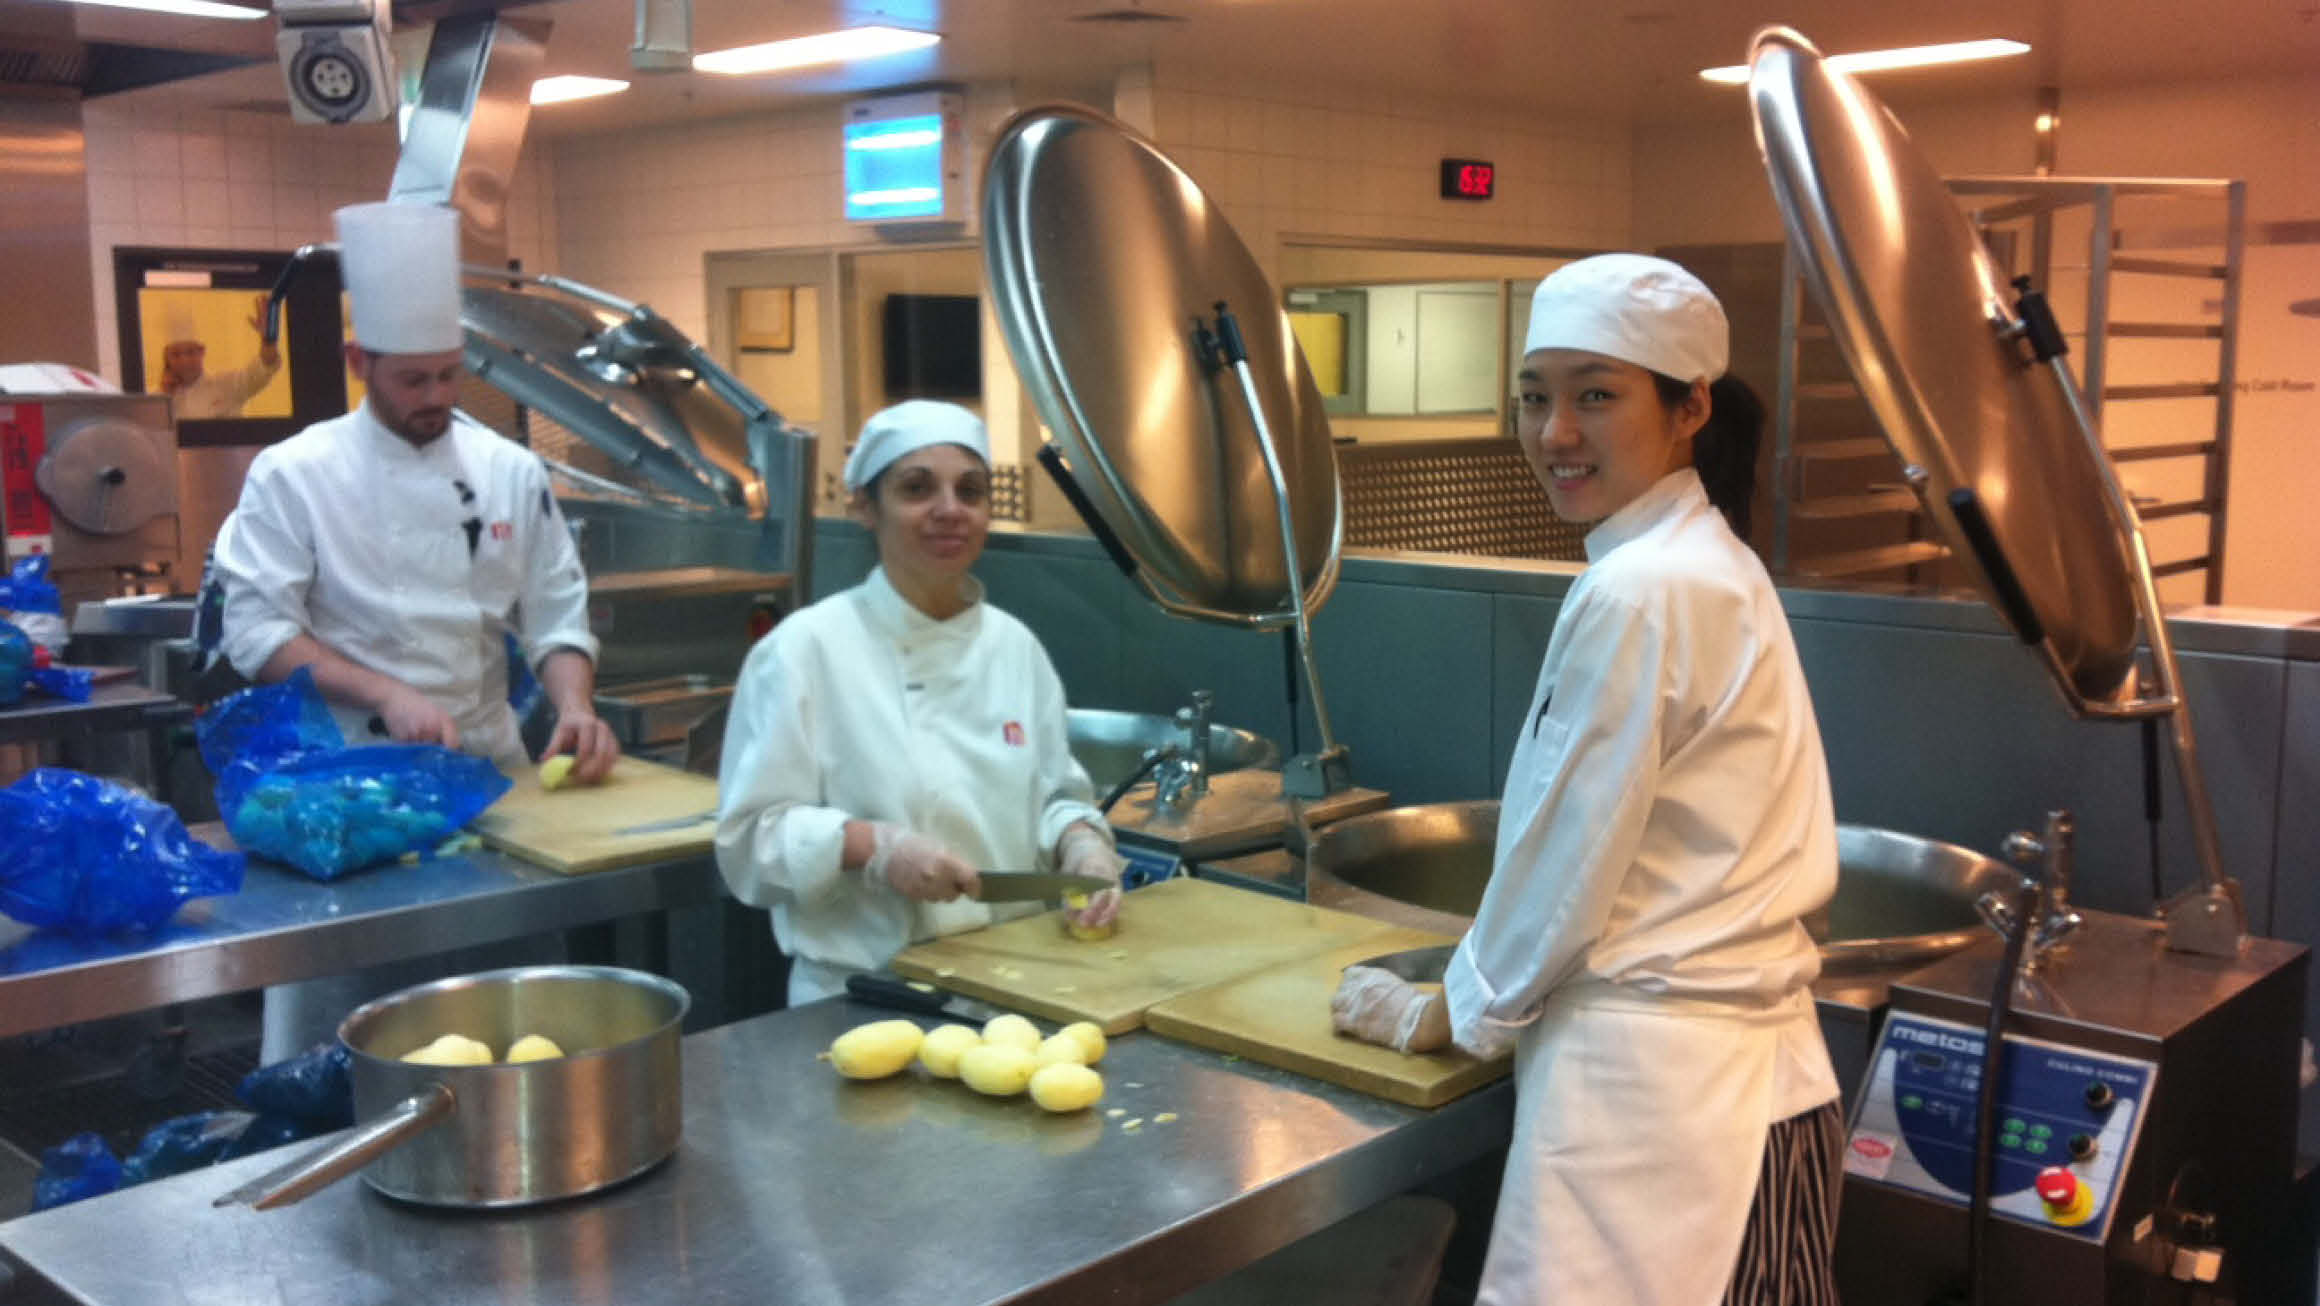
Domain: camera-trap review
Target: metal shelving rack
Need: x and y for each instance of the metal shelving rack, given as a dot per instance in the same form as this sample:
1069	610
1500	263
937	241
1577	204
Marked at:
2002	206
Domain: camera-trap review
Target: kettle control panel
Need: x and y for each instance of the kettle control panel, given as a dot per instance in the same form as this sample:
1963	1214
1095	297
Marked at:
2066	1122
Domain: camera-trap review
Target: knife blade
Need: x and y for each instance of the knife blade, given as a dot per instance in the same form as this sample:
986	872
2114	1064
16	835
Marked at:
673	823
1417	965
880	989
1031	886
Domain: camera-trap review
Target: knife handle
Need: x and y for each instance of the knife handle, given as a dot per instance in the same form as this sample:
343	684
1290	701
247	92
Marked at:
892	992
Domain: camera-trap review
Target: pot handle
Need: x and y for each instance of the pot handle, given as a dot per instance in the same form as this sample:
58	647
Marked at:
326	1165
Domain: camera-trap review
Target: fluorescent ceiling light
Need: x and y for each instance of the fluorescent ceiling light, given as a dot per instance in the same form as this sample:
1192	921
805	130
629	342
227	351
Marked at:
187	8
1870	61
842	46
568	86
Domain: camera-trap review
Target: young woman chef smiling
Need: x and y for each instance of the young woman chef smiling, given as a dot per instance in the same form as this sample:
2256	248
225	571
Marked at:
1665	829
890	740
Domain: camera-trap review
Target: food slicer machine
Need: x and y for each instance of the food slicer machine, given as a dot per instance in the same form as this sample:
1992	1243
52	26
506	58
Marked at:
90	479
1186	431
2102	1109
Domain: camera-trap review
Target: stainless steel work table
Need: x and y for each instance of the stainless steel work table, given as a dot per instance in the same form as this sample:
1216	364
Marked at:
285	926
794	1186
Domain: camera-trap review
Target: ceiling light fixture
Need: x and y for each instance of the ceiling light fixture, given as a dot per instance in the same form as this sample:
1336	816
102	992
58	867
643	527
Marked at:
570	86
843	46
1871	61
183	8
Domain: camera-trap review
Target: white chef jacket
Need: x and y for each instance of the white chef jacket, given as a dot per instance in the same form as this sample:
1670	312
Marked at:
412	562
862	707
1665	829
221	394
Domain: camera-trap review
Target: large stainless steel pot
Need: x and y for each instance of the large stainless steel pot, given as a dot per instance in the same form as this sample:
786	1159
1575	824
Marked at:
1111	745
505	1135
1901	900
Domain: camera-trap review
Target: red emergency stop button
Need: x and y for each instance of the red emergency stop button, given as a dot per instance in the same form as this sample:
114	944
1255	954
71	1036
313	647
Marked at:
2069	1201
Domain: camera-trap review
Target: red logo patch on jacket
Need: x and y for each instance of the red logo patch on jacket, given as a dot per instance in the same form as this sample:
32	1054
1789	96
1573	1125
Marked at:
1012	732
502	531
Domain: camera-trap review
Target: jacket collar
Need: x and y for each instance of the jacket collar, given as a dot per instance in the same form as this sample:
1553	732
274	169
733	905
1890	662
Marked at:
898	617
1676	494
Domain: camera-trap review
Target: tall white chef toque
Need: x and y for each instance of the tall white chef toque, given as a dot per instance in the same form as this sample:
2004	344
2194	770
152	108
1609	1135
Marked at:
1635	308
908	427
179	326
400	262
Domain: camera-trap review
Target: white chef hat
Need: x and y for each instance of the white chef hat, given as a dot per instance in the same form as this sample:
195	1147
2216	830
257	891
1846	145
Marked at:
908	427
178	325
400	262
1637	309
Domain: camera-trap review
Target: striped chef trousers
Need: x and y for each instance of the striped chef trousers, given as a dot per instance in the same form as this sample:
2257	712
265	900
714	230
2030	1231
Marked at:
1785	1256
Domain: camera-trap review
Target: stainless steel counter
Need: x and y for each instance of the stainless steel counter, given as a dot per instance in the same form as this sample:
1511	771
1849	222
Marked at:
284	926
795	1186
119	706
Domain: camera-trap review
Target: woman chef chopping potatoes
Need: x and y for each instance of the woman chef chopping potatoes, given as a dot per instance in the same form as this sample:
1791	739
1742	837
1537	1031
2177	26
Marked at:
889	741
1665	829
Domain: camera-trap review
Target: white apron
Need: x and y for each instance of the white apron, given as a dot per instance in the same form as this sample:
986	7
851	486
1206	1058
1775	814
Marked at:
1638	1136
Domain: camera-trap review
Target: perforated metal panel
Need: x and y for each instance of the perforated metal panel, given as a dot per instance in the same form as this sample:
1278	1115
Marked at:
1452	496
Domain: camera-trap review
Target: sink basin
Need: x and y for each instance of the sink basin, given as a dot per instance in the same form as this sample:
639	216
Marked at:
1901	901
1112	744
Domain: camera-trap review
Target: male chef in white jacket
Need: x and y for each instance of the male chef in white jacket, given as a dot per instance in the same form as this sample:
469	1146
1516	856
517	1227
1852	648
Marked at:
392	550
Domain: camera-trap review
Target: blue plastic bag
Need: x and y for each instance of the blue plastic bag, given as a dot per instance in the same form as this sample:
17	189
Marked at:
27	588
291	791
184	1143
80	1166
312	1088
88	856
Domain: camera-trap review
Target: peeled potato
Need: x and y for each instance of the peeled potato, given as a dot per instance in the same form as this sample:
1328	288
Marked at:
941	1049
876	1050
997	1069
533	1047
1013	1031
452	1050
1060	1047
1065	1086
1091	1039
1085	933
555	771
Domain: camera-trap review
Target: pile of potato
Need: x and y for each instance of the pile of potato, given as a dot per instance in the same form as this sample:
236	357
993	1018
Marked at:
460	1050
1006	1057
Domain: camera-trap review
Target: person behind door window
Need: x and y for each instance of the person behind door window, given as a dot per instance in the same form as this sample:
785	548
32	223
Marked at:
393	549
196	393
888	742
1665	830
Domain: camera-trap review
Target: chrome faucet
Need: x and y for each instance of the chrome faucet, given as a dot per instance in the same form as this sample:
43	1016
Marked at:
2052	918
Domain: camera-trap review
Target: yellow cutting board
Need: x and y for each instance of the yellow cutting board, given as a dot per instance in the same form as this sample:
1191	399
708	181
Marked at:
1174	937
1280	1017
572	829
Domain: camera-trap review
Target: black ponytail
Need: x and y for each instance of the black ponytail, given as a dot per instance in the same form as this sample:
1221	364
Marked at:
1724	450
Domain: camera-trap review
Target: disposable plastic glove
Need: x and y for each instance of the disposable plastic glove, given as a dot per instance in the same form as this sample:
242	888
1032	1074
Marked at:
1084	850
916	866
1378	1006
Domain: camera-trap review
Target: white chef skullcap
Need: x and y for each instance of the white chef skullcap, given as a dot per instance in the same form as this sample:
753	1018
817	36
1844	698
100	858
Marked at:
400	262
179	325
908	427
1635	308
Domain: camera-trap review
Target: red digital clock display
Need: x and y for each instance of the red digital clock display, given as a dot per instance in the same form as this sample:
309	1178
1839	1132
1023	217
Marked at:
1468	179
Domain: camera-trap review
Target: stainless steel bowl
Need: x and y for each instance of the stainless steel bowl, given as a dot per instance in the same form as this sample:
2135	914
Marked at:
1901	901
1112	744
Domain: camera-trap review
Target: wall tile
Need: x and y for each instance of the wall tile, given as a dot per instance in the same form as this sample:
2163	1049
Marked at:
202	156
157	154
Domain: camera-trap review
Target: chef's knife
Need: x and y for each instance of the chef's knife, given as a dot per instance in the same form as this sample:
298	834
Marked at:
673	823
1028	886
1417	965
891	991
